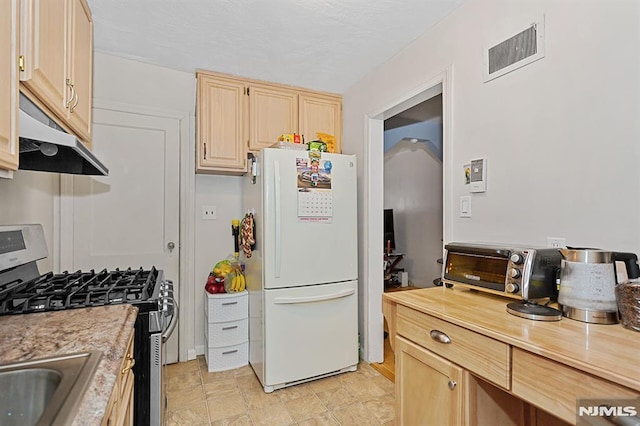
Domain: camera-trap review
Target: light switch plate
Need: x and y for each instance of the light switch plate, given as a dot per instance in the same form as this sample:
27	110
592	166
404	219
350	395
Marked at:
465	206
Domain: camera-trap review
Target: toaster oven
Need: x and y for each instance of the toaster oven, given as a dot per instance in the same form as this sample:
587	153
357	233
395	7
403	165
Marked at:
508	270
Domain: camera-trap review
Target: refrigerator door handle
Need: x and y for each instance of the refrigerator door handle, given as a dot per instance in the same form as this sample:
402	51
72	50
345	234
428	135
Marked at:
321	298
278	218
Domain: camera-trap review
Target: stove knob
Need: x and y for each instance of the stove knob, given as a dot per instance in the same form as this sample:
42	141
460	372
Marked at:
515	273
512	288
517	258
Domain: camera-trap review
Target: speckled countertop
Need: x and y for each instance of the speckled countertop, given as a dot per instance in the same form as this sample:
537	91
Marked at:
105	328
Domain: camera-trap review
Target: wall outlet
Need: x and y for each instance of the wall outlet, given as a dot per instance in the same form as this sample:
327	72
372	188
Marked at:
556	242
209	212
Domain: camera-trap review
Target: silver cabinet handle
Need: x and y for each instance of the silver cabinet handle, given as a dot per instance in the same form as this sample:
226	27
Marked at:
439	336
171	245
230	328
451	384
230	352
75	104
229	303
67	102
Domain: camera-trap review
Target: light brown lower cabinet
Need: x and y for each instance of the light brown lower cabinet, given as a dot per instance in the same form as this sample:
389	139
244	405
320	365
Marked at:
431	390
532	381
120	407
461	359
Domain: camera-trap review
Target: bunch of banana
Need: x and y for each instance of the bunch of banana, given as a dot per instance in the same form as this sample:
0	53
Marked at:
238	282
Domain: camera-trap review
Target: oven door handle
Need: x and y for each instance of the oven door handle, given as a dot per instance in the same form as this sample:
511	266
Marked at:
173	323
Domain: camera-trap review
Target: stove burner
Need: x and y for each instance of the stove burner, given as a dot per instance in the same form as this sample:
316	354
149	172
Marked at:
78	289
534	311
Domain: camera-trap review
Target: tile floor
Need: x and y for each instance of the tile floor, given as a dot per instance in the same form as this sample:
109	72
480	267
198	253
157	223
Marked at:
235	397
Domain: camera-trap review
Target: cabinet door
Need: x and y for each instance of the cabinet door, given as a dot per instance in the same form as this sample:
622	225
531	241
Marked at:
125	409
9	13
80	68
220	116
43	47
429	389
272	112
320	114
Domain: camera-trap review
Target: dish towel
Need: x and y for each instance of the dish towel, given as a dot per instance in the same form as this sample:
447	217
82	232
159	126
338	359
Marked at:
248	239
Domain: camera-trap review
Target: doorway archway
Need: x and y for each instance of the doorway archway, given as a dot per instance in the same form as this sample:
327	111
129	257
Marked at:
374	159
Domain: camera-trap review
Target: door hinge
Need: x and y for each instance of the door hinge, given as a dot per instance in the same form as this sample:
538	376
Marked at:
205	151
21	62
247	91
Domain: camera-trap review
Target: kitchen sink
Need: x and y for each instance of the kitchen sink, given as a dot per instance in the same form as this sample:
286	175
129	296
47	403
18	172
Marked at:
46	391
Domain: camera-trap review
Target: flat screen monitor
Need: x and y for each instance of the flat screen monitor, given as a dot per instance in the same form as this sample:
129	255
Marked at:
389	233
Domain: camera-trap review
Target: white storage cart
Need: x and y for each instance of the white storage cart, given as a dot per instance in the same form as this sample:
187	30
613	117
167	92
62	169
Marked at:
226	330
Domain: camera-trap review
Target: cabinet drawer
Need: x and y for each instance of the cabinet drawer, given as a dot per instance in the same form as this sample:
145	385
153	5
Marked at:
228	333
543	383
226	307
226	358
481	355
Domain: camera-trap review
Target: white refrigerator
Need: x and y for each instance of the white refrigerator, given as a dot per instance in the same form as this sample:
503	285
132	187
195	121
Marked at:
302	275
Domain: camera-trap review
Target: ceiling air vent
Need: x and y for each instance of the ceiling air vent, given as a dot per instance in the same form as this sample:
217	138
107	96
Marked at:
523	48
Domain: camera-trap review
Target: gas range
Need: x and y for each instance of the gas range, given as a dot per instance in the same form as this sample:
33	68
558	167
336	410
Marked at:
23	290
68	290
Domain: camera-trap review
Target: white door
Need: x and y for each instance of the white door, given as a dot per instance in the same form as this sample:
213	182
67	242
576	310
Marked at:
303	244
131	217
310	331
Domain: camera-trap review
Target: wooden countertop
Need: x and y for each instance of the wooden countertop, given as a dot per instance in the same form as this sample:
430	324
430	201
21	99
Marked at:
607	351
105	328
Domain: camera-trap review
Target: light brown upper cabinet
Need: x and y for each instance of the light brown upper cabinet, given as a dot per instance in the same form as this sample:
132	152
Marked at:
57	56
321	114
272	112
237	115
9	31
81	68
220	115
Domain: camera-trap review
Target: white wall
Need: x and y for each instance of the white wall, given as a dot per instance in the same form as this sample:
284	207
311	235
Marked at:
561	134
213	240
413	189
29	198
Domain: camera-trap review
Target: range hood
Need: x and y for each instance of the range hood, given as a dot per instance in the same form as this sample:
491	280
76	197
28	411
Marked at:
45	147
